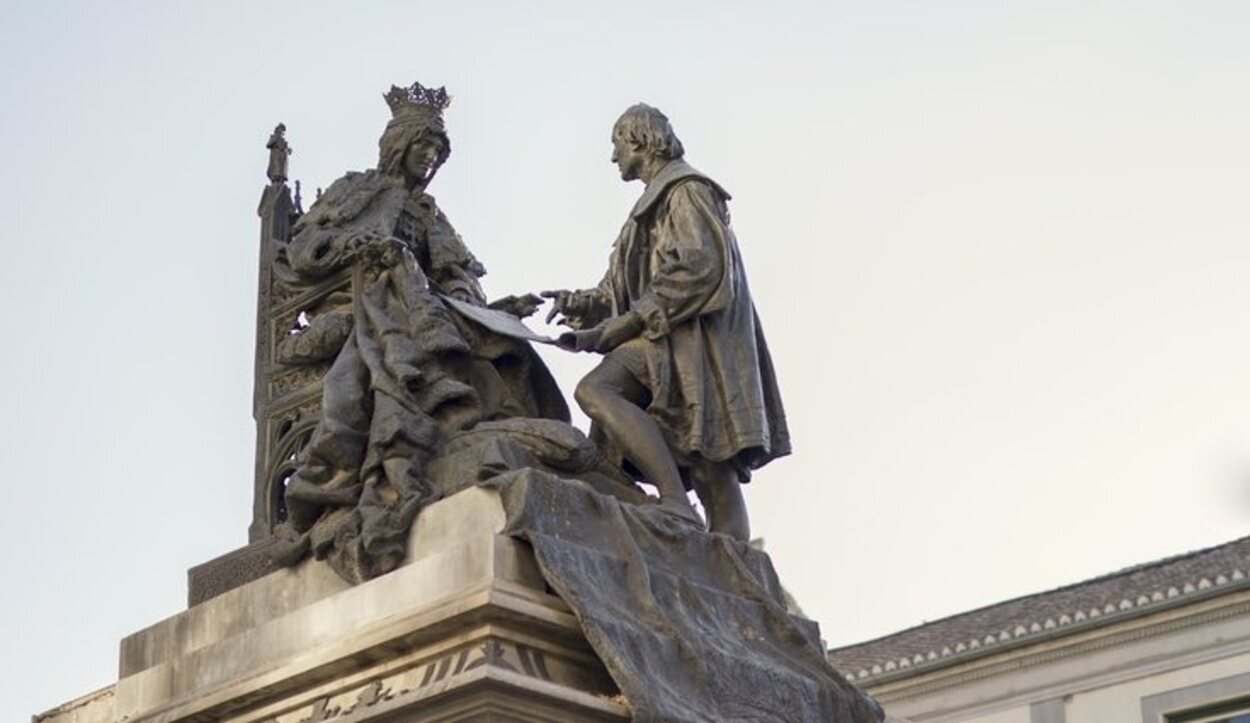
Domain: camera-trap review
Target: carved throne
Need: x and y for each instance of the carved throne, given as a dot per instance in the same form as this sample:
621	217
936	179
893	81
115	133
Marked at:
286	399
287	394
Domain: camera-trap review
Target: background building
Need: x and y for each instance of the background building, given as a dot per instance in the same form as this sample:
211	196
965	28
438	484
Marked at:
1163	642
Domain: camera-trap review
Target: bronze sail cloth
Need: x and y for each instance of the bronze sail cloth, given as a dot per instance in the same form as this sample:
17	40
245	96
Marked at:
691	626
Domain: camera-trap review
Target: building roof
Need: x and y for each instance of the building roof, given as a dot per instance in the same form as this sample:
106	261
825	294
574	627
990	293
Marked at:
1131	592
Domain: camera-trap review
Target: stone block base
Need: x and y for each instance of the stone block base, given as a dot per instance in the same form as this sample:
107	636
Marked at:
465	630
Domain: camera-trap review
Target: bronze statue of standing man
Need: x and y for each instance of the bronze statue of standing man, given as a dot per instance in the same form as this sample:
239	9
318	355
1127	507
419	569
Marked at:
686	391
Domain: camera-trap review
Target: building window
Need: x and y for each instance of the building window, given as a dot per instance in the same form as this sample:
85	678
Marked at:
1225	700
1236	712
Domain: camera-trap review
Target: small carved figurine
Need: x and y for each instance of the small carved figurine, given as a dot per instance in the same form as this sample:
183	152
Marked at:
279	152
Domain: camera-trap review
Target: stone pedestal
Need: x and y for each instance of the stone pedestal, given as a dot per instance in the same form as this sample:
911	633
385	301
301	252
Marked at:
465	630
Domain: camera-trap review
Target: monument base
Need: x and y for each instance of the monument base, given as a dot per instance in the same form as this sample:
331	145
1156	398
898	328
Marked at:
465	630
529	598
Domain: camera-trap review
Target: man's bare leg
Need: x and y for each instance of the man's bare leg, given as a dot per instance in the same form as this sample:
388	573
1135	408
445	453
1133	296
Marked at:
611	396
718	488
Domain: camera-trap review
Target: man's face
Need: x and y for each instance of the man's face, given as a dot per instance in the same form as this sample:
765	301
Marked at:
421	156
627	157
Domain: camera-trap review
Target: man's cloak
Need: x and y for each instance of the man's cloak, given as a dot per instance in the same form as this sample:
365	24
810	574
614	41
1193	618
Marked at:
676	263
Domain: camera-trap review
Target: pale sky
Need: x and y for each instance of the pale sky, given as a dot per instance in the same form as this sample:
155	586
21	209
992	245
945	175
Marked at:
999	250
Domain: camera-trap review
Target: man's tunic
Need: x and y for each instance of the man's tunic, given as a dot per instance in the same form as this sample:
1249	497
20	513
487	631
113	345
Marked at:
676	263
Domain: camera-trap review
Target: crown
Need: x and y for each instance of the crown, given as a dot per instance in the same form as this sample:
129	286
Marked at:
416	99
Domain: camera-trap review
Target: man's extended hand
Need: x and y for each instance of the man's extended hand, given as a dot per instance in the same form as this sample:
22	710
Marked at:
561	303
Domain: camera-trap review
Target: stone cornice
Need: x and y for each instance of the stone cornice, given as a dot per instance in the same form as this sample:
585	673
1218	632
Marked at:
1025	634
1003	660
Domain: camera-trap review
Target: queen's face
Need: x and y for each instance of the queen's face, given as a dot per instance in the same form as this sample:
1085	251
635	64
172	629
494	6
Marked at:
421	157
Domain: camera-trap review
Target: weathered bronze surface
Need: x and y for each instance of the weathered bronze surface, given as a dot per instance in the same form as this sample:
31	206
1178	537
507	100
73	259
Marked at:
686	391
416	399
385	381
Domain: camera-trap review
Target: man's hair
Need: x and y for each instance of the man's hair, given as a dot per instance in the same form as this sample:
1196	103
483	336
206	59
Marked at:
649	129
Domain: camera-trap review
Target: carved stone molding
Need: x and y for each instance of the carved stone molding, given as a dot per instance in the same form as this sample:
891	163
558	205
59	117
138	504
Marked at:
465	621
1210	612
436	682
